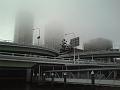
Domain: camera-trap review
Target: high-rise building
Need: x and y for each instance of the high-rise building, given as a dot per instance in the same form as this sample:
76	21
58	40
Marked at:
54	35
23	28
98	44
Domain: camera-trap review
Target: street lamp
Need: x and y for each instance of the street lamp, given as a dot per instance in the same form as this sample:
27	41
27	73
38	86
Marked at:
65	77
73	47
52	76
44	75
38	37
92	77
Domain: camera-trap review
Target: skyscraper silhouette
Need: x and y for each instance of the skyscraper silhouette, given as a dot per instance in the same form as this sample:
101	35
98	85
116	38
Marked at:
23	28
54	35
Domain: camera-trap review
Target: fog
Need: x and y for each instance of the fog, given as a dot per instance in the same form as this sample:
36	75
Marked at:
98	44
88	19
53	35
23	33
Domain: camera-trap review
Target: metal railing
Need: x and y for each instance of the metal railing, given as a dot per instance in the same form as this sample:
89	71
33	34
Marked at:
55	59
22	45
93	53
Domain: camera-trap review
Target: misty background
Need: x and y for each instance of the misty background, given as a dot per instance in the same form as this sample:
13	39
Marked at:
88	19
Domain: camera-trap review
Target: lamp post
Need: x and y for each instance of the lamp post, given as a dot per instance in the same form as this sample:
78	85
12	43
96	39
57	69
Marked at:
44	75
92	78
73	47
52	79
38	37
65	77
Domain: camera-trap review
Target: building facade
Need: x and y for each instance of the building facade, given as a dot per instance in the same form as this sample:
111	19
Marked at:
23	28
54	34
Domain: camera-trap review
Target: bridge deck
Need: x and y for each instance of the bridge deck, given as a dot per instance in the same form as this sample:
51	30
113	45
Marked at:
12	58
90	69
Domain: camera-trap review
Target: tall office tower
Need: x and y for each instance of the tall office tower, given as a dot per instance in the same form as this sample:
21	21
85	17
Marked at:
23	28
54	34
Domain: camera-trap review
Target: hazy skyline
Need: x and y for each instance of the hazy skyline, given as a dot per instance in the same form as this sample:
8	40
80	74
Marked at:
88	19
53	35
23	33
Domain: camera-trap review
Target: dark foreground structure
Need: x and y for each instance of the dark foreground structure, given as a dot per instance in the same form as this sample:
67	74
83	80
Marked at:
16	60
22	64
55	86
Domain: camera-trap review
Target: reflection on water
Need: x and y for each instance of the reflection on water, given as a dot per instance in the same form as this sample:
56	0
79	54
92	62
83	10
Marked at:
25	86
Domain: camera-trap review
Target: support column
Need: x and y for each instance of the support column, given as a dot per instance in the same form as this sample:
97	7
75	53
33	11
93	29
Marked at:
28	75
78	75
32	75
115	74
114	60
39	75
100	73
88	74
53	67
66	68
62	72
109	60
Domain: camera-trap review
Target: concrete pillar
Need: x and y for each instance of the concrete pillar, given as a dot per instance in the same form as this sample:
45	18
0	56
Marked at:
100	73
88	74
32	75
109	59
115	74
66	68
114	60
28	75
62	72
78	75
53	68
39	73
92	59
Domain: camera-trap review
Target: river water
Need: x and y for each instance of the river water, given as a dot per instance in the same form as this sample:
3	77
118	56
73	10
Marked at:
27	86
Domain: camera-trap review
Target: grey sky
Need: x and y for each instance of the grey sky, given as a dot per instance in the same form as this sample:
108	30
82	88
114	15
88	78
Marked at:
87	18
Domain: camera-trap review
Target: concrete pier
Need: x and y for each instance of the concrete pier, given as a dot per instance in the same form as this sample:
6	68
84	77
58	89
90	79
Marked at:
28	75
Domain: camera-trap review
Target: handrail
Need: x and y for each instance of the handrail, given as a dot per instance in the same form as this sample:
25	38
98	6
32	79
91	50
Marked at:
22	45
80	61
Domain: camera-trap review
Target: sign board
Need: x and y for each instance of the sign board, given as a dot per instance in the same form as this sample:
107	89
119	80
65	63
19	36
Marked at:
74	42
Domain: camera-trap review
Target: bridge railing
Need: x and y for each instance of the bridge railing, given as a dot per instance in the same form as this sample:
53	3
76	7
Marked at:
23	57
85	61
51	59
84	53
99	74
